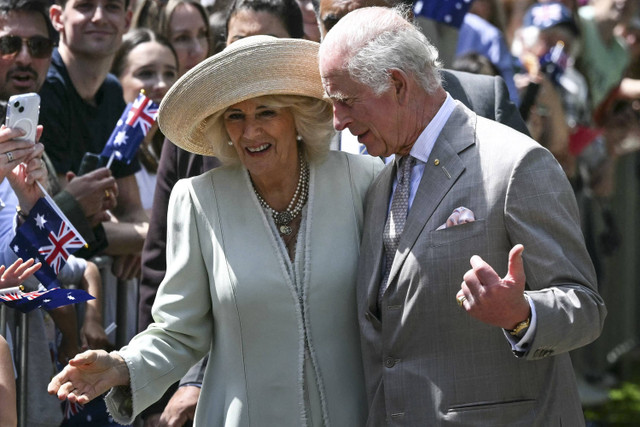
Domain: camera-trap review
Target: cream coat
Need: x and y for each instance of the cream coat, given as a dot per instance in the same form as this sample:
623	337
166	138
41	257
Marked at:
227	291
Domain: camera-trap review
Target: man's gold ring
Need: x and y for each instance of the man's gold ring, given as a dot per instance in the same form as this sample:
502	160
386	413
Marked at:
107	194
461	299
9	156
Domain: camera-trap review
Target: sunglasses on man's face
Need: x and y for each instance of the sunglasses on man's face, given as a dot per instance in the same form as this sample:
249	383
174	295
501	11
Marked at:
38	46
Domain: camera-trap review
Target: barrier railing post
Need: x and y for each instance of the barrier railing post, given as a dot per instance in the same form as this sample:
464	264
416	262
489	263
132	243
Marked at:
22	374
121	313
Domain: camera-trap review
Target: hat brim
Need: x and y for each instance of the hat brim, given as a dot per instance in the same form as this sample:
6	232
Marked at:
249	68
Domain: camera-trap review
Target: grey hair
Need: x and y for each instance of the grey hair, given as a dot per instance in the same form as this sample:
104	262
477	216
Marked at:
312	117
386	40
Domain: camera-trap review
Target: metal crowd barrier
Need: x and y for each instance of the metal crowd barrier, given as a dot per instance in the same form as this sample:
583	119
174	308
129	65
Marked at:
120	308
20	350
120	304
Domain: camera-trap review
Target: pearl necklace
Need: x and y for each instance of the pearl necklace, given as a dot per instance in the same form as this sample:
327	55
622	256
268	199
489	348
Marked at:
284	218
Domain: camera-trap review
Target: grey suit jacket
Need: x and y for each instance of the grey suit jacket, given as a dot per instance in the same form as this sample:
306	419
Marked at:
427	362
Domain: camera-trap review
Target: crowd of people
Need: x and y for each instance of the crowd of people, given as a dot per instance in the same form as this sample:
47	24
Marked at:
349	212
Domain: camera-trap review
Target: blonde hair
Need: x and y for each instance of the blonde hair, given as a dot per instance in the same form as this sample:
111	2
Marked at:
313	119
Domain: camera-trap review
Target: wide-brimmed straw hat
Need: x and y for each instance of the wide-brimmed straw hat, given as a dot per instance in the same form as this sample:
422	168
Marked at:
251	67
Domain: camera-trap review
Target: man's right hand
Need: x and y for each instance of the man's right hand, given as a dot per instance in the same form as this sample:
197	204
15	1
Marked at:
96	192
13	151
181	408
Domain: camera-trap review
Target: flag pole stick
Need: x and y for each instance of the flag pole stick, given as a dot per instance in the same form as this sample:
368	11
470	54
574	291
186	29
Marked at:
44	192
110	160
12	290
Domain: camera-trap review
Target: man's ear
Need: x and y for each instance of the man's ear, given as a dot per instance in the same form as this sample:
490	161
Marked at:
55	13
400	84
128	18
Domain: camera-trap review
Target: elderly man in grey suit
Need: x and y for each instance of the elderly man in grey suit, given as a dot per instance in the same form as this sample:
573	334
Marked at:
477	194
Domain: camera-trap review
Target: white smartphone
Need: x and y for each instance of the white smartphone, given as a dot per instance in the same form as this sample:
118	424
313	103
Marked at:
22	112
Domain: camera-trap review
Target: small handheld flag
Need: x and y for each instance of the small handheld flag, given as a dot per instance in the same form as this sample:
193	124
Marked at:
449	12
134	124
47	299
49	237
71	409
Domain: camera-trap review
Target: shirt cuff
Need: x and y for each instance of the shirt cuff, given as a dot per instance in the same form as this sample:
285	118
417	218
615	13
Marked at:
192	384
522	345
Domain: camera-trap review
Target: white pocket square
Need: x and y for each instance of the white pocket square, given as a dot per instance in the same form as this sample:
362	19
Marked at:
459	216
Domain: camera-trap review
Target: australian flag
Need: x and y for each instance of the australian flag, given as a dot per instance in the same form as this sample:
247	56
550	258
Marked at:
450	12
45	298
71	409
133	126
49	237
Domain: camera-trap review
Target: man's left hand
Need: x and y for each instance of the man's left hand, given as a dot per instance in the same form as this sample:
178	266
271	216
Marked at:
494	300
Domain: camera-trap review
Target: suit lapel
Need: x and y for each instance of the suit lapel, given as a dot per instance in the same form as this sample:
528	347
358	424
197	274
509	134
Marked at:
440	174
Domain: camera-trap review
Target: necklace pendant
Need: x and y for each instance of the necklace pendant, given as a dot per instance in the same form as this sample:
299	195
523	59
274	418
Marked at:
282	218
285	229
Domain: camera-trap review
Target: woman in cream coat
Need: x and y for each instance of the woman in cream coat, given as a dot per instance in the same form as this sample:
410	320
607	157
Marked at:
261	255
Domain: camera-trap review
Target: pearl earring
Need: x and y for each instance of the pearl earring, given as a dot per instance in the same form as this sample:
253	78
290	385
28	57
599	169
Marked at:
299	138
230	142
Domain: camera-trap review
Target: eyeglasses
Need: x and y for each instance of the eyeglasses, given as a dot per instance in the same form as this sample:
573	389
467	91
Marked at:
39	46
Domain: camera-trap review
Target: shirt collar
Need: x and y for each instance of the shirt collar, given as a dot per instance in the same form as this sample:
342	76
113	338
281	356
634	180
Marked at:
427	139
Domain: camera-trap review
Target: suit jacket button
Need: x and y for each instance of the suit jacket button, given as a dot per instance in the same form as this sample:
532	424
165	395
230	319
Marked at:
389	362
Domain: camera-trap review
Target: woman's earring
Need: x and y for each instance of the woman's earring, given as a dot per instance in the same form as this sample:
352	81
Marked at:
230	142
299	138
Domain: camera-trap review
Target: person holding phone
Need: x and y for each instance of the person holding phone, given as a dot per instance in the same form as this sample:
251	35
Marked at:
27	39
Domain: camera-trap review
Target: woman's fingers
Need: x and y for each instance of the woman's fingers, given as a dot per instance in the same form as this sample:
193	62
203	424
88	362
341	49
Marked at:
65	389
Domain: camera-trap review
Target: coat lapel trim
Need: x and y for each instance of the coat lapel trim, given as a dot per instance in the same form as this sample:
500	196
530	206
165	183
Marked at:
382	190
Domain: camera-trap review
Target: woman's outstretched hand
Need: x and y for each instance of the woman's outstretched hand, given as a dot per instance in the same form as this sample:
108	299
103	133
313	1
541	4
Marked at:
88	375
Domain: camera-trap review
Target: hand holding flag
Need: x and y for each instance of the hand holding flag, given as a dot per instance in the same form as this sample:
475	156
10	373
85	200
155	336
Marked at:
12	276
134	124
48	236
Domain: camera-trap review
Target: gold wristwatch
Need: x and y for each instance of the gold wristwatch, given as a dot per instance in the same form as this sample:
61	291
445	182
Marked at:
520	327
